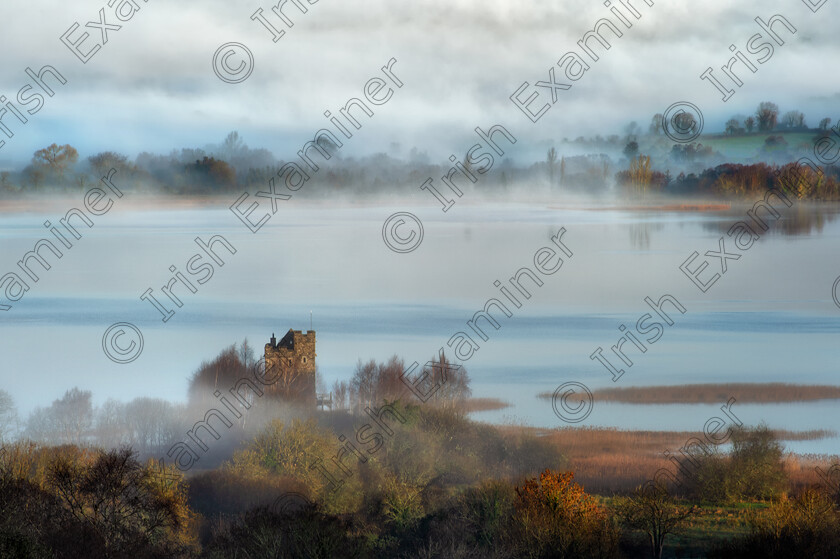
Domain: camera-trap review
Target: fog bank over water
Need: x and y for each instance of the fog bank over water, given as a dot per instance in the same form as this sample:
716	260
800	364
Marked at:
769	319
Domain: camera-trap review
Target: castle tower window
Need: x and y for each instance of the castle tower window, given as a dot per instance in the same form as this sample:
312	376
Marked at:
294	354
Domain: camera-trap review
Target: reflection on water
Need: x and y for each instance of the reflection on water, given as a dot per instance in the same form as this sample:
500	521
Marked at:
800	219
640	234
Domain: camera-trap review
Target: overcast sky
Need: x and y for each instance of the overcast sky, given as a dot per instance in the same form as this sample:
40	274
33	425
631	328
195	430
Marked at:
152	87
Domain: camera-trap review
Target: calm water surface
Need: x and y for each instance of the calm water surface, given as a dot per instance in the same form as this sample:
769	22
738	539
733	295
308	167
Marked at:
769	318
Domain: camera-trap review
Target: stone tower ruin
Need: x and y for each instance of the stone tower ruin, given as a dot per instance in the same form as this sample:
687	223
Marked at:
291	361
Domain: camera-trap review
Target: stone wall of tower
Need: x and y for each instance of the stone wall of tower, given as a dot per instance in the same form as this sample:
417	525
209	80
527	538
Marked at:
304	349
291	361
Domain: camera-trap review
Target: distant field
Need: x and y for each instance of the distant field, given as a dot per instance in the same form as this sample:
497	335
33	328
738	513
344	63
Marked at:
714	393
743	147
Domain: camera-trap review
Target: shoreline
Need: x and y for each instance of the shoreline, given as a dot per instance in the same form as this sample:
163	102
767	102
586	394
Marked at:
145	201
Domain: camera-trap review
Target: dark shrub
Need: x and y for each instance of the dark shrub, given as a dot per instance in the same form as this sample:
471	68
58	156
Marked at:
808	526
307	533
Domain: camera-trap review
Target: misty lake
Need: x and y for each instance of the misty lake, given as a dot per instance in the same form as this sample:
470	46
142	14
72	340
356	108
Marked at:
769	318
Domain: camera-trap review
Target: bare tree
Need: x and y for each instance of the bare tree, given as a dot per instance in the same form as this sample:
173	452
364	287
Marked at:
66	421
453	381
794	119
653	510
151	422
390	383
219	374
73	415
8	417
768	115
824	124
373	383
340	392
111	425
446	384
749	124
40	426
233	146
246	354
124	504
364	383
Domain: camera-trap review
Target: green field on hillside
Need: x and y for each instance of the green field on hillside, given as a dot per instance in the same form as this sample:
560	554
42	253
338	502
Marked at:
748	145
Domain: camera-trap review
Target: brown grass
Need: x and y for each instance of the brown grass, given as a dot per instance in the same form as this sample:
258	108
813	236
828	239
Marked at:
697	207
683	207
716	393
803	469
612	460
484	404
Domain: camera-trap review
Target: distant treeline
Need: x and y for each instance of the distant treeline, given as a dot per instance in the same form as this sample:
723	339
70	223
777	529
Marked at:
650	165
735	181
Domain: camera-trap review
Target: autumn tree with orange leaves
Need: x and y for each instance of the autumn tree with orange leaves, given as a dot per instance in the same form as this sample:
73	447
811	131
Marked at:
557	519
